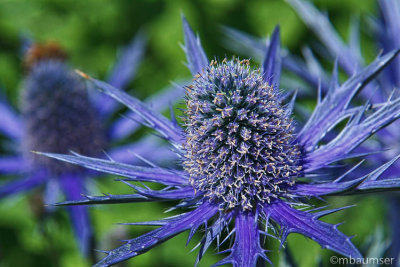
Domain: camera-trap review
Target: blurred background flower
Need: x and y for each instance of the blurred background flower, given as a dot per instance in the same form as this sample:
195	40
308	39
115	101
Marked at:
91	31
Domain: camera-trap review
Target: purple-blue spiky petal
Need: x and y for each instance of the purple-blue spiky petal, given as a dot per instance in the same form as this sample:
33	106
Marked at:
353	134
313	65
141	244
271	67
374	183
160	195
354	38
127	63
246	249
244	43
320	24
391	16
73	186
195	55
51	194
10	122
123	72
154	120
250	46
307	224
135	173
322	213
144	148
388	35
106	199
382	185
159	102
340	186
13	164
327	112
23	184
325	188
213	233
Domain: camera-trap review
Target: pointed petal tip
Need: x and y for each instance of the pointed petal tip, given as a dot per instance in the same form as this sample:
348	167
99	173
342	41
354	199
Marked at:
183	18
195	55
276	35
82	74
187	29
272	64
277	31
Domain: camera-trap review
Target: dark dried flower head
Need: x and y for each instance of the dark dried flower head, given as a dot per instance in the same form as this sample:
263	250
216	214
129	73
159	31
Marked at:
239	145
43	52
58	115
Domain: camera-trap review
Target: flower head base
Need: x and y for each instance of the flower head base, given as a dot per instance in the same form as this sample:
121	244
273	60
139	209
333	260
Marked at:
57	112
239	147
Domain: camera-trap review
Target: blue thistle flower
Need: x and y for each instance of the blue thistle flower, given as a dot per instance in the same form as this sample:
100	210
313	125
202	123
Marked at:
243	159
57	115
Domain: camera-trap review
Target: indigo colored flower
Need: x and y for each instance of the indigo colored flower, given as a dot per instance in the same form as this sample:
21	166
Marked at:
246	166
57	115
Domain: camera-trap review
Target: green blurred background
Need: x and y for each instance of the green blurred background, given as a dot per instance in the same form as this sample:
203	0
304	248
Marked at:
92	31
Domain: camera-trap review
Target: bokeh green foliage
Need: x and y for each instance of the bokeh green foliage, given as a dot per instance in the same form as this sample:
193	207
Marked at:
92	31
